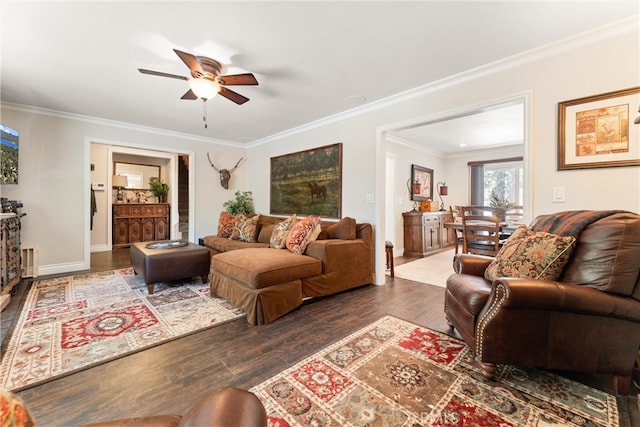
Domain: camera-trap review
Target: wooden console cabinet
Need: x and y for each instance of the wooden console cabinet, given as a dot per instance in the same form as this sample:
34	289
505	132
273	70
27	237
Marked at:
139	222
424	232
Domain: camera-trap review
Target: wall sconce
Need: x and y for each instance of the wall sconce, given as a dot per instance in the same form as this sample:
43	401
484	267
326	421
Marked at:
443	190
119	181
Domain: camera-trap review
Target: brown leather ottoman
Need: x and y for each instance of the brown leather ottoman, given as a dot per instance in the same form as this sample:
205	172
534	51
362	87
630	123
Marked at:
171	263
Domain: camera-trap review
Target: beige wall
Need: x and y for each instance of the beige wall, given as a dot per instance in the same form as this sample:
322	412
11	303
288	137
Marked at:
55	178
55	154
559	73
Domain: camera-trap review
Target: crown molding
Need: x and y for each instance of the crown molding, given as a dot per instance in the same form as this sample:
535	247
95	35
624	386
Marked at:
602	33
628	25
113	123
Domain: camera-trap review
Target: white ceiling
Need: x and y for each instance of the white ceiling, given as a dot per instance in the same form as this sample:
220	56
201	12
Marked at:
312	59
496	126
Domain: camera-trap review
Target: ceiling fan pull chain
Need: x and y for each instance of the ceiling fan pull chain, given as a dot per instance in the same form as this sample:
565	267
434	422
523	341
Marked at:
204	113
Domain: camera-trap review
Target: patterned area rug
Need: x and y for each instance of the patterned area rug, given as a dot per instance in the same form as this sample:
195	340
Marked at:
394	373
73	323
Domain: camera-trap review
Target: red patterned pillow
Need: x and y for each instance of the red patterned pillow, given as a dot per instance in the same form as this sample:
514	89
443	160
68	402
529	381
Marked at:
302	233
534	254
226	224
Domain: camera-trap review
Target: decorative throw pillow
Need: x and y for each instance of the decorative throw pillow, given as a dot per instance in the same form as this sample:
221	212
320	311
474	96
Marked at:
226	224
533	254
13	411
344	229
280	233
302	233
235	233
246	228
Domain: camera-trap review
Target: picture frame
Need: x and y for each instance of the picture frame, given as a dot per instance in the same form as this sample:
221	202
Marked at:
424	177
308	182
9	153
597	131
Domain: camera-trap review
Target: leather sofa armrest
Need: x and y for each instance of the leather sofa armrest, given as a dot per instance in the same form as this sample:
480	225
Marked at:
471	264
227	407
518	293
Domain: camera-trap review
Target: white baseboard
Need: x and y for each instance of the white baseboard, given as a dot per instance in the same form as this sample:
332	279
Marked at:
44	270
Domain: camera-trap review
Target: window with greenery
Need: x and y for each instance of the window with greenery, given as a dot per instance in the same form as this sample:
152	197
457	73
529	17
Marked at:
498	183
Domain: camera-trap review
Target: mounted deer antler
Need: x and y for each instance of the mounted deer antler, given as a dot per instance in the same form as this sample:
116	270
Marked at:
225	174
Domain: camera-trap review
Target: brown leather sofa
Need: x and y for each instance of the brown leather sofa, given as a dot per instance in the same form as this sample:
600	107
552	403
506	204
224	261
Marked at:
586	321
267	283
229	407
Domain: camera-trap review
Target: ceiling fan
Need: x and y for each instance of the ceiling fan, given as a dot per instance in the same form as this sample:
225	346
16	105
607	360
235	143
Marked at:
205	81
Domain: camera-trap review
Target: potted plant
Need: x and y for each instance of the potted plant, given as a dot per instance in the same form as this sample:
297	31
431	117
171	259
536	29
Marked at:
159	189
243	203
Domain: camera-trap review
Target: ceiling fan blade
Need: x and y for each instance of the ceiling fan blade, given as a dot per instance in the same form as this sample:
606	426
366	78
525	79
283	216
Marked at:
190	60
189	95
238	79
233	96
161	74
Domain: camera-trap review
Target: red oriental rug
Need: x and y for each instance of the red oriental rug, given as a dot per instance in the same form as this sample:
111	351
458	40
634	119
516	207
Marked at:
72	323
394	373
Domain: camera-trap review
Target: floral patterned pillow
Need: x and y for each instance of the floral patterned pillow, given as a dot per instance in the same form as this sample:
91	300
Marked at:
246	228
13	411
226	224
533	254
280	233
302	233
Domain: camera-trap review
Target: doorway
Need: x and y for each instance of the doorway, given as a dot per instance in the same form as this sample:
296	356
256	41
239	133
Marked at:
175	171
401	131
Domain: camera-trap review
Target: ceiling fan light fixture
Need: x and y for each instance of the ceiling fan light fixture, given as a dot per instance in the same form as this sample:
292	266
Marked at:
204	88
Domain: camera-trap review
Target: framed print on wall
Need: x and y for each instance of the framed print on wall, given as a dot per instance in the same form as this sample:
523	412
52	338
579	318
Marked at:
308	182
598	131
421	183
9	148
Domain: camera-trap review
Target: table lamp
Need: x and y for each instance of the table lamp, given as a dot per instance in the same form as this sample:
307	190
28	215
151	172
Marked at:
120	182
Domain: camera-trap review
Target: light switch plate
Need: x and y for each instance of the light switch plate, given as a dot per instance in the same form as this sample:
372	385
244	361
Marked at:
369	197
558	195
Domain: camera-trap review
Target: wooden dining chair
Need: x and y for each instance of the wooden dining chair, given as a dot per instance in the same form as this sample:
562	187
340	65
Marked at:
456	216
480	230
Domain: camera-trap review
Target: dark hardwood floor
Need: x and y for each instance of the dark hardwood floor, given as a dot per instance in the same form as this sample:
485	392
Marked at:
171	376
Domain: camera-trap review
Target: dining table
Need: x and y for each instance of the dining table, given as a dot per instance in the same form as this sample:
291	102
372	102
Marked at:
506	228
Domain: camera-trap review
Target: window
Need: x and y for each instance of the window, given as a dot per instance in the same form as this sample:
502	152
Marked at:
498	183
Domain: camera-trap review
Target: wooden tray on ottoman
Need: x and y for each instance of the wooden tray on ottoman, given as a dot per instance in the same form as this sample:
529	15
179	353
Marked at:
171	261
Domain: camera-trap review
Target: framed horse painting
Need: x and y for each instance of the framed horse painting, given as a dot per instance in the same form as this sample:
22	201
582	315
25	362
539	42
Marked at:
308	182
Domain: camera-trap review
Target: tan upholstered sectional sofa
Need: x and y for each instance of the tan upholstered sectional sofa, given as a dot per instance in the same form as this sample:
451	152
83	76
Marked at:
267	283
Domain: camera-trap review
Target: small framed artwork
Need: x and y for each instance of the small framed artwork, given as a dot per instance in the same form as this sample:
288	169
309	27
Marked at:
9	154
421	183
596	131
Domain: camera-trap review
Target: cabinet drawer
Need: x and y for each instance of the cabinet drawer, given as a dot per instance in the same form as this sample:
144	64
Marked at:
161	210
121	210
430	221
